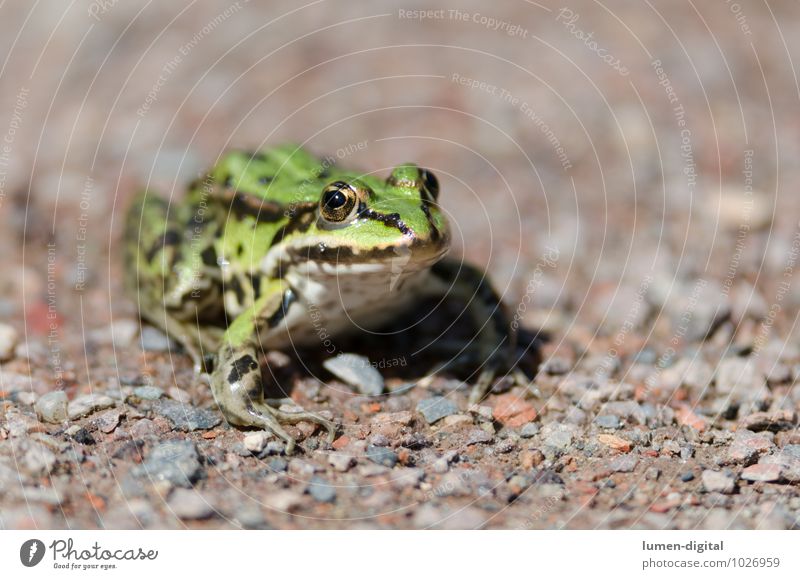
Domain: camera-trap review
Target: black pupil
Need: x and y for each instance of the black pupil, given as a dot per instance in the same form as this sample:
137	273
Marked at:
334	199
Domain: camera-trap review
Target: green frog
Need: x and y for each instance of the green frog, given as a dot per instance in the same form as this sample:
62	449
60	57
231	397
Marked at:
269	247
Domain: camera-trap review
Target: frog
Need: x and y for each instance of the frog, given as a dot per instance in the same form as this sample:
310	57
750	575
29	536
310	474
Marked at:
269	246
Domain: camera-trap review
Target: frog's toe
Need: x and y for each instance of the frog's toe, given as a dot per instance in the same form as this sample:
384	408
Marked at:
262	416
304	416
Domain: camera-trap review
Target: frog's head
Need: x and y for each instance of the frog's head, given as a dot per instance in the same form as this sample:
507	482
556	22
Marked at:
364	224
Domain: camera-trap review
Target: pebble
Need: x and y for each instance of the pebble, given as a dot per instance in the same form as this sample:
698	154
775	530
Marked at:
154	340
771	421
457	420
653	473
52	407
82	436
478	436
278	464
123	332
88	404
8	342
382	456
789	461
284	501
107	421
358	372
148	392
512	411
693	373
256	441
628	409
529	430
188	504
671	447
623	463
715	481
505	446
186	418
736	376
687	476
529	459
747	446
762	473
608	421
379	440
321	490
485	412
174	461
341	462
614	442
436	408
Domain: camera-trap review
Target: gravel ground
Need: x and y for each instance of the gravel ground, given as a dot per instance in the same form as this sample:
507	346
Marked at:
626	173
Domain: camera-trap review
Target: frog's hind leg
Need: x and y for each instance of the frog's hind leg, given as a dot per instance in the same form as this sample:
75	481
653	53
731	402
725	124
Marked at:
495	342
154	245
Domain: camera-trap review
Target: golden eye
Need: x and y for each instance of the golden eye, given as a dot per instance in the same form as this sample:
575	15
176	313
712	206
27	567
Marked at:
338	201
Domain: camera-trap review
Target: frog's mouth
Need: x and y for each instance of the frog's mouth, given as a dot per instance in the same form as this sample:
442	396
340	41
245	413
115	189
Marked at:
395	258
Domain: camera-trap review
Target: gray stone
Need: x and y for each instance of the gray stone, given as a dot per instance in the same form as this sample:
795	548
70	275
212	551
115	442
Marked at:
188	504
739	378
321	490
175	461
608	421
436	408
623	463
148	392
478	436
356	371
529	430
559	439
382	456
88	404
628	409
715	481
154	340
187	418
52	407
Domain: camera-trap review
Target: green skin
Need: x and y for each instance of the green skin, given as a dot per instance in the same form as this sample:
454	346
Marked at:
241	263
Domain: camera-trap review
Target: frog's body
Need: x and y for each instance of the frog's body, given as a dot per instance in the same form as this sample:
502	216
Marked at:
270	248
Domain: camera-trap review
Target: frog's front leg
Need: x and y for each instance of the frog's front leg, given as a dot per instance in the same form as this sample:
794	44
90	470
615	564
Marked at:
495	342
236	379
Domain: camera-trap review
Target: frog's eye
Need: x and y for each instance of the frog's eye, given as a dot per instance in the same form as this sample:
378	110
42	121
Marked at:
338	202
430	183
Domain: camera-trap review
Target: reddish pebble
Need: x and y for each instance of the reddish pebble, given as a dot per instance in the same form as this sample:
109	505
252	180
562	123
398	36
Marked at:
511	410
686	417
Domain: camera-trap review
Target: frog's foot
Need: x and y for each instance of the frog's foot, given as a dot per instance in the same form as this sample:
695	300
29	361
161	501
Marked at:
236	384
487	377
269	418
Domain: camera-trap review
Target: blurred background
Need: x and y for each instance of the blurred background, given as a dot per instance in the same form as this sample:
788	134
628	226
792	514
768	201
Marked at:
627	171
636	140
